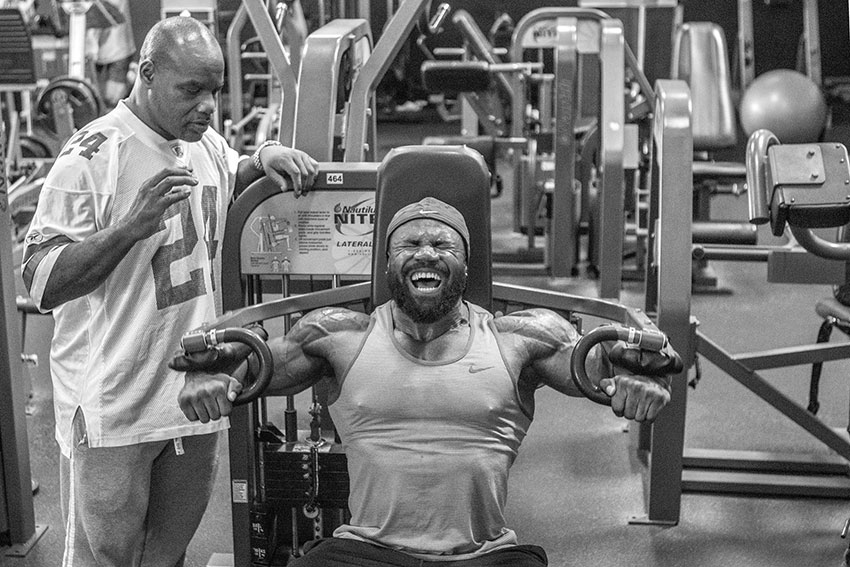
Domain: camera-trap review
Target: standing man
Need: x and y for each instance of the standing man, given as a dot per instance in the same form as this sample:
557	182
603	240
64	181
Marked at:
432	398
124	250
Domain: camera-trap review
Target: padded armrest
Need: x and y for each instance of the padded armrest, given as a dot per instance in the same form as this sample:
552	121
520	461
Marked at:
456	76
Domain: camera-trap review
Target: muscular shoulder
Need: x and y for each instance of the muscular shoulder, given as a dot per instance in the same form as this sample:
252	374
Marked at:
539	331
327	325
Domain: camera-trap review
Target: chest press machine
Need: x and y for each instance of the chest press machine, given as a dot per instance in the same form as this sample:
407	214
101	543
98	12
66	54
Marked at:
289	489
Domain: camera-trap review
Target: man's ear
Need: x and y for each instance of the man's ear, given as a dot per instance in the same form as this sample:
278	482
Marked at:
146	71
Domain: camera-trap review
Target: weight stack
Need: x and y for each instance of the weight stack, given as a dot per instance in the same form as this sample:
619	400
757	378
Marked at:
289	482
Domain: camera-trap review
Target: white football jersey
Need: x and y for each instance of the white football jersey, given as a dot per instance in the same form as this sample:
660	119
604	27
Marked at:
111	347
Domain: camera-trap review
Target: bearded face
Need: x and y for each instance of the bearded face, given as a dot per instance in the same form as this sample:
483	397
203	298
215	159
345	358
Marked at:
434	296
426	269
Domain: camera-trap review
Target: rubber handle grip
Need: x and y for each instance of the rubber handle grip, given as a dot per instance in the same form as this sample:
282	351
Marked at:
203	340
644	339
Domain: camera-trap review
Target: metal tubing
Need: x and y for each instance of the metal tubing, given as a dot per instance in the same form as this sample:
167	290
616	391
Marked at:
756	161
234	63
480	47
575	303
746	45
279	63
811	35
732	253
750	379
361	110
793	356
820	246
77	38
722	232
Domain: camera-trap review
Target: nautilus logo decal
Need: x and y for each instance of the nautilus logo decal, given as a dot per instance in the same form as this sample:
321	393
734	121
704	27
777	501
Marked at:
355	221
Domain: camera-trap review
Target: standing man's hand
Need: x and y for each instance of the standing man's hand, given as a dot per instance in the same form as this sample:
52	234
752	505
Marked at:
279	161
169	186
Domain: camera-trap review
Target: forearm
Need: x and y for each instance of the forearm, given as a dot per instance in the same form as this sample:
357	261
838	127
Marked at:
555	371
294	371
83	266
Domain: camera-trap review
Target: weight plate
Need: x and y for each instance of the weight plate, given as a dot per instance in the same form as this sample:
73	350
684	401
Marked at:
85	102
32	147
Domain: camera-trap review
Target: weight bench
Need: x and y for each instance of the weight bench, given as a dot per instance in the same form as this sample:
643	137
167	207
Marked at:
277	478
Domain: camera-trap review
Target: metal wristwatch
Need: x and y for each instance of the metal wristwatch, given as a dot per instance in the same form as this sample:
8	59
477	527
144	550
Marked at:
255	157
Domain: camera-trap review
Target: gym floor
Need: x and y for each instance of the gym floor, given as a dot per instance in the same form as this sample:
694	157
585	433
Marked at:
576	481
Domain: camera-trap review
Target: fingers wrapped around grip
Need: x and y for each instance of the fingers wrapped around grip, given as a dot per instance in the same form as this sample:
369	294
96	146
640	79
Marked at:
205	340
629	354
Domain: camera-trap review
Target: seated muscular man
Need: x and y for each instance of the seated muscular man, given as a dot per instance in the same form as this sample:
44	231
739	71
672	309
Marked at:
432	397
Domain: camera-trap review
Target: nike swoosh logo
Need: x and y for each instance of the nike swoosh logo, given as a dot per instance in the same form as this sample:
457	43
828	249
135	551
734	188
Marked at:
476	369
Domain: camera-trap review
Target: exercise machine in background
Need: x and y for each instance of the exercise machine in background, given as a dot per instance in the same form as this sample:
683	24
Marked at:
801	188
17	517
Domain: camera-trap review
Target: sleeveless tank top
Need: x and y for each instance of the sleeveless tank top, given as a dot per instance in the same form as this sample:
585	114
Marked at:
429	443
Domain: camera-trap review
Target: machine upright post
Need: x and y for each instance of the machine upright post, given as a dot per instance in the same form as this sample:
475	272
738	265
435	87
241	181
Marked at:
560	256
670	296
811	35
17	516
612	122
746	45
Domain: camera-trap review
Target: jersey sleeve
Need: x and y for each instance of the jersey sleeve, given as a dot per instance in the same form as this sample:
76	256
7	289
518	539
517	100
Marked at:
231	161
74	203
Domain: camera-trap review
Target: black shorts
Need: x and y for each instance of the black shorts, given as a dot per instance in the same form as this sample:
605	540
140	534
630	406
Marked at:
339	552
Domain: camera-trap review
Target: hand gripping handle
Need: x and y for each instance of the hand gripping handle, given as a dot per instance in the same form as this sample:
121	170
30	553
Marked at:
199	341
643	339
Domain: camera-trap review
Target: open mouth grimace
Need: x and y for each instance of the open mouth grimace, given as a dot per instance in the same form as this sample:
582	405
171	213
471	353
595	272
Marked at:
425	281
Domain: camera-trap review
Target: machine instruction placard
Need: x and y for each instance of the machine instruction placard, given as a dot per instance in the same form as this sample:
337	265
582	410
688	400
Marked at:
321	233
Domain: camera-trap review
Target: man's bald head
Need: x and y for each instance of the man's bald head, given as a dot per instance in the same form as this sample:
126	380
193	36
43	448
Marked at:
172	40
181	71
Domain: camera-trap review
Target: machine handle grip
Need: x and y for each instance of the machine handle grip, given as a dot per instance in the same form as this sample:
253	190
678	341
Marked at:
648	340
758	193
433	25
199	341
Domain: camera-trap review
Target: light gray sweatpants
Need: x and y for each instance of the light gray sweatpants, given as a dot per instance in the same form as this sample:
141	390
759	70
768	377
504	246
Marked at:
137	505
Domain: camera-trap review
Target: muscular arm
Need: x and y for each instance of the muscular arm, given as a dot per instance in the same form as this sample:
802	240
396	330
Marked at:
83	266
320	345
542	343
